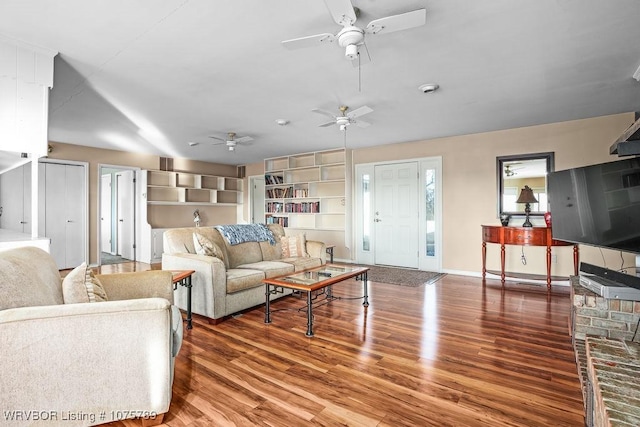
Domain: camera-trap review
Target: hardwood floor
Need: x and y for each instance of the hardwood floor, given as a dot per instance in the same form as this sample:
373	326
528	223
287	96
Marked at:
448	354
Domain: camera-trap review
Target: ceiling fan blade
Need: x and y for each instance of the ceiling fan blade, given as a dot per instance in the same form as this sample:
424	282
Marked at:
219	139
324	125
326	113
341	11
362	124
400	22
243	139
309	41
359	112
363	56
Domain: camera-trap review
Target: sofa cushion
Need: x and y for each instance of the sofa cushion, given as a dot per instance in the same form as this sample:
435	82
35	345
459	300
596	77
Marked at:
81	285
294	246
239	279
302	263
29	277
243	253
270	268
204	246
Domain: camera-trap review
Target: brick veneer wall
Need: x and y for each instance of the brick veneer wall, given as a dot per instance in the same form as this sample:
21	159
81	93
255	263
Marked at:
608	361
595	315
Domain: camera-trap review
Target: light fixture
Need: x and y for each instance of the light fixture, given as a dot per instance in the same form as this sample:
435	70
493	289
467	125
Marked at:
527	197
193	144
282	122
636	75
428	87
232	147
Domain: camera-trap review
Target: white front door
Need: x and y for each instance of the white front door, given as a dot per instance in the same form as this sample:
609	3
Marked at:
396	214
125	187
105	214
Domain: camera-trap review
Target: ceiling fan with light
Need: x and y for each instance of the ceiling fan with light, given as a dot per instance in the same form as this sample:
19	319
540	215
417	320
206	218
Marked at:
345	119
232	141
352	38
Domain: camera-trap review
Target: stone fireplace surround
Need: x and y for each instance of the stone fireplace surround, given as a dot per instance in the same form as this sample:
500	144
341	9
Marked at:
607	351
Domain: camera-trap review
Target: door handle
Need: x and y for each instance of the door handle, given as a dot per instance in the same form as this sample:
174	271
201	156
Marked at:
69	220
121	220
377	220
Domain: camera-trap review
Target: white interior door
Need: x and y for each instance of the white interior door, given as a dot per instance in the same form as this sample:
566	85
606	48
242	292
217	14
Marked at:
257	200
11	199
75	203
64	188
125	188
396	214
105	213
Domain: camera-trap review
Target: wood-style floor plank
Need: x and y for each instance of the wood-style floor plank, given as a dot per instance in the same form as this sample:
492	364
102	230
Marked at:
453	353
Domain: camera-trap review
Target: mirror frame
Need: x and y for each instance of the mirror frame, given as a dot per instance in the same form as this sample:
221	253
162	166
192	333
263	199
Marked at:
500	161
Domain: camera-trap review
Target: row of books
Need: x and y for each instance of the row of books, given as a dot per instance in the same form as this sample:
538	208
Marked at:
304	207
282	220
273	179
279	193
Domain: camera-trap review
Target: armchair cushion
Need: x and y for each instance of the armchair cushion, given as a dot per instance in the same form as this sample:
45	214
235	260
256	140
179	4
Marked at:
81	285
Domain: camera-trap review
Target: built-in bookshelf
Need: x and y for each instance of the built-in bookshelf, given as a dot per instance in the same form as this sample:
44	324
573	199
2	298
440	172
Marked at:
174	188
307	191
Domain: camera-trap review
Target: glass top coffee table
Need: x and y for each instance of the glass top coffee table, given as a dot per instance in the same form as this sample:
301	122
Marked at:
314	279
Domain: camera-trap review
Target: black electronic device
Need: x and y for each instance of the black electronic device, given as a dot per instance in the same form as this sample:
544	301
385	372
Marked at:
597	205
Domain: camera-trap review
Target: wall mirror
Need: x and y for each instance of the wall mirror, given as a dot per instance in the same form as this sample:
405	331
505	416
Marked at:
514	172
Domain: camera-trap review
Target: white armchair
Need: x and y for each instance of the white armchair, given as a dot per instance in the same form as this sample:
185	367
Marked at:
84	363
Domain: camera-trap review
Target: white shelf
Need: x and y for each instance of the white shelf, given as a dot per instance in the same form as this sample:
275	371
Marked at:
321	176
184	188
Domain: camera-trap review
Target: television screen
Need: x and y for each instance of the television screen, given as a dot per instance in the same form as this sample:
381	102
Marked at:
597	205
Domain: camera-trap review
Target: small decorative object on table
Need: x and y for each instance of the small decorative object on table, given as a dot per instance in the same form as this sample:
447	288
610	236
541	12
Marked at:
547	219
527	197
504	219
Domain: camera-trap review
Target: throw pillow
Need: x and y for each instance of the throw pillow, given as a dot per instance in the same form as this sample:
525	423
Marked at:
81	285
204	246
294	246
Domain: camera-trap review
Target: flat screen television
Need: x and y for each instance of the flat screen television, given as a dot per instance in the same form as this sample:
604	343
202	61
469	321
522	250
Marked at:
597	205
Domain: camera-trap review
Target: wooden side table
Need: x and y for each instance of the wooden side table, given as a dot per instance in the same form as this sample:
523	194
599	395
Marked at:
523	236
183	278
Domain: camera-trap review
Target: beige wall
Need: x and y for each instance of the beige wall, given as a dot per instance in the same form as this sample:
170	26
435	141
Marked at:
158	216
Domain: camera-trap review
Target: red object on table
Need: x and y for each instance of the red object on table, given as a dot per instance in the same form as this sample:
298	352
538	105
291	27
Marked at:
547	219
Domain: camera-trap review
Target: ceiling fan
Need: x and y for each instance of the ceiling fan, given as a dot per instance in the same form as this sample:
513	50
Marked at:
351	37
345	119
231	141
509	170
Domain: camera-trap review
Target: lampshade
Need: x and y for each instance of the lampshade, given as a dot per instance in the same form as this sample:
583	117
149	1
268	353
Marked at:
526	196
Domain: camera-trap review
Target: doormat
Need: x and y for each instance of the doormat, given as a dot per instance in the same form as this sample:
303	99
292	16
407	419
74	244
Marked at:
402	276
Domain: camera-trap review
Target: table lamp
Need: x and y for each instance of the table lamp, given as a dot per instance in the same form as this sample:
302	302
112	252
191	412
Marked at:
527	197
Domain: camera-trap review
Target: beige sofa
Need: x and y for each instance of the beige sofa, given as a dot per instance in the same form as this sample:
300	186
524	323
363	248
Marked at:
222	287
86	363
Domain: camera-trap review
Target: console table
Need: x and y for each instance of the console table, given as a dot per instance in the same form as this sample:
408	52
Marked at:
522	236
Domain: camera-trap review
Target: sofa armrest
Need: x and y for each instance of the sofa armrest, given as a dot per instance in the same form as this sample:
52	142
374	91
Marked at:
141	284
78	358
317	249
208	283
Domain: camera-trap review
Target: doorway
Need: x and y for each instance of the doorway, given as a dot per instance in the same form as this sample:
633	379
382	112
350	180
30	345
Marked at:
256	199
398	213
117	242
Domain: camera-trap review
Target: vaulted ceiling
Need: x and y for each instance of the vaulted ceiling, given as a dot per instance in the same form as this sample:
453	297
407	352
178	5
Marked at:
152	76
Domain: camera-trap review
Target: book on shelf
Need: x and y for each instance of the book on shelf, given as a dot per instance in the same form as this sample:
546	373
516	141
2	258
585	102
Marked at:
271	179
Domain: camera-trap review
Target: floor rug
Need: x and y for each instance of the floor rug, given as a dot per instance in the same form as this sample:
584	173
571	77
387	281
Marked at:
108	259
402	276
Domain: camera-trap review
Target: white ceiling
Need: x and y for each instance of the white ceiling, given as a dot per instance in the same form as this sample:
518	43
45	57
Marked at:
151	76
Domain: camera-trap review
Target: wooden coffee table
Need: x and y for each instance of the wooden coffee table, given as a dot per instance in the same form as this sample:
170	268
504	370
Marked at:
311	280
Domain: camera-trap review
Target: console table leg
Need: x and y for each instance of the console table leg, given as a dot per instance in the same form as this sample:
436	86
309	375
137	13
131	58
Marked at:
576	259
484	262
549	268
502	256
366	295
